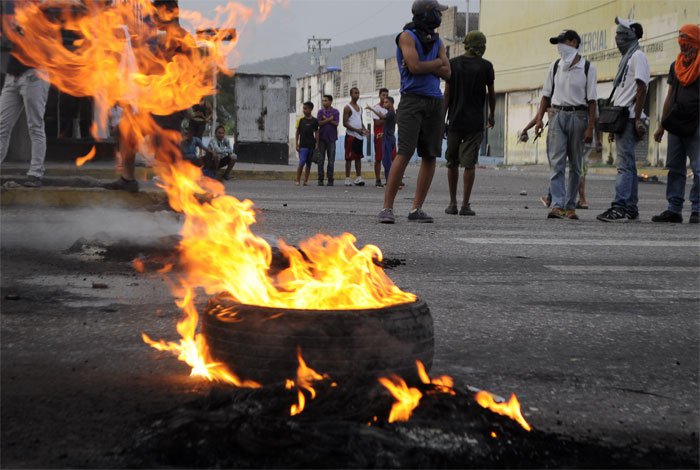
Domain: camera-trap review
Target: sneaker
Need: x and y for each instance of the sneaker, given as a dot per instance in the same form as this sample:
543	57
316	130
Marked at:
556	213
694	218
32	182
452	210
386	216
466	210
417	215
296	183
633	216
571	214
614	214
130	186
378	184
668	217
348	182
546	201
330	183
359	181
320	183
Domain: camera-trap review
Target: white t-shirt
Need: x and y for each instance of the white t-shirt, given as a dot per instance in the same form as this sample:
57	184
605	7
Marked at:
637	69
572	87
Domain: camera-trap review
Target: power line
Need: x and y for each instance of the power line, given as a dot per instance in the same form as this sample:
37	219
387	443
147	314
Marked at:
551	22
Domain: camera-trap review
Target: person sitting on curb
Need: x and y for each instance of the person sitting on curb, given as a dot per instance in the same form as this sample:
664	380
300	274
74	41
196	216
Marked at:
684	93
221	153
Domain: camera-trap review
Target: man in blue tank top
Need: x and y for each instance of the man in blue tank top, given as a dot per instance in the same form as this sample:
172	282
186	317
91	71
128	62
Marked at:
422	62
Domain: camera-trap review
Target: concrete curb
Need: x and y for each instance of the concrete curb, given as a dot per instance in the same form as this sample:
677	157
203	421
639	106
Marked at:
82	197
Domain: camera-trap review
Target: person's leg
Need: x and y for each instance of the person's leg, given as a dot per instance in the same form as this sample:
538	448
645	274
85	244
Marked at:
298	176
348	167
557	149
575	148
330	169
692	145
229	167
454	141
626	181
34	93
358	167
675	182
469	157
582	202
423	182
387	149
10	109
307	170
322	145
398	167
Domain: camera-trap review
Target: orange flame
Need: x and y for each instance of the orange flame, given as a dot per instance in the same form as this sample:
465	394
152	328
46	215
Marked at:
159	68
444	383
510	409
306	376
407	398
80	161
138	265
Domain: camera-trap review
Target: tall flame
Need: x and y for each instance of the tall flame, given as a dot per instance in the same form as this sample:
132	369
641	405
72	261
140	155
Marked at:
510	409
407	398
444	383
120	59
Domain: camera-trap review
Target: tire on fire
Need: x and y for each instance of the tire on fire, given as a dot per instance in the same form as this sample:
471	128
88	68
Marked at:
260	343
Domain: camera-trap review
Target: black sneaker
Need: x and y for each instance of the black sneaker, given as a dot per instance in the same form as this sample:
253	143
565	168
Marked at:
417	215
32	182
386	216
694	218
320	182
330	183
130	186
614	214
452	210
633	216
378	184
668	217
466	210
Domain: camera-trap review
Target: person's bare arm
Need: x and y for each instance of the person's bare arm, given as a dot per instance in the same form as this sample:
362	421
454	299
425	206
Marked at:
545	103
659	134
445	71
588	133
411	59
492	106
297	137
639	100
379	117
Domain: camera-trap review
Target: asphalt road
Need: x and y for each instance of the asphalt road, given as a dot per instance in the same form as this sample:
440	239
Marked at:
594	326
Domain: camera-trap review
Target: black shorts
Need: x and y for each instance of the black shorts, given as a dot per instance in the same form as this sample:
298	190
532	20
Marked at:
421	123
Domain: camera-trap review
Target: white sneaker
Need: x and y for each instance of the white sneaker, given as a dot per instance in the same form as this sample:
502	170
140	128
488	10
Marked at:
359	181
348	182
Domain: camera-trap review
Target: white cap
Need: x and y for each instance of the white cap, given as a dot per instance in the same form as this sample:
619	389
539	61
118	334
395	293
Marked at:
627	23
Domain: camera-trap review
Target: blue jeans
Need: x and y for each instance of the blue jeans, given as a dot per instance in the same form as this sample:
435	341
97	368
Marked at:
565	141
678	149
626	184
327	149
388	145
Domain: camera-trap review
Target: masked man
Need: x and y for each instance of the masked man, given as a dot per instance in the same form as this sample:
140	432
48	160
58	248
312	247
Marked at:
422	62
570	90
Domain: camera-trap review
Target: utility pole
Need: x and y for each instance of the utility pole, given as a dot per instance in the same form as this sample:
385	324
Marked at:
318	47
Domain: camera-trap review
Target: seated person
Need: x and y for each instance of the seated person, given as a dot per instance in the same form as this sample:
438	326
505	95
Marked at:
220	154
189	145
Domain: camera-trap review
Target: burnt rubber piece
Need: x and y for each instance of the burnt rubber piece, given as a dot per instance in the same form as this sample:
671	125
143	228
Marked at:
260	343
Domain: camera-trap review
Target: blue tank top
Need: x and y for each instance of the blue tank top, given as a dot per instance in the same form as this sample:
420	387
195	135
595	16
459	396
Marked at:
424	84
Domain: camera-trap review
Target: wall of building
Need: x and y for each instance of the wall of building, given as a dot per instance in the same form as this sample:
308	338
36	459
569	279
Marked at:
358	70
313	87
517	45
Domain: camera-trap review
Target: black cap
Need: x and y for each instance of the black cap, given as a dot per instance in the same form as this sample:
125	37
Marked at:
424	6
566	35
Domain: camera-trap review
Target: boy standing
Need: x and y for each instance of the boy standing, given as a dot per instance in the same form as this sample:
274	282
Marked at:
307	141
328	119
352	120
389	137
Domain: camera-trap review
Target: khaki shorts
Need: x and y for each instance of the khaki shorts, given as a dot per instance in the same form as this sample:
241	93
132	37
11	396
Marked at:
463	149
421	123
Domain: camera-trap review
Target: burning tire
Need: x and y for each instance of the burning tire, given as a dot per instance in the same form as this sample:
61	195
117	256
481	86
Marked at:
260	343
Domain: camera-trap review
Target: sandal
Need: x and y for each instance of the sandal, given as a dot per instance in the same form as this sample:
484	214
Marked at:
581	206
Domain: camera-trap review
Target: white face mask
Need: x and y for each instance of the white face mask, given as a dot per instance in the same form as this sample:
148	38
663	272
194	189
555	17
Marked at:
567	53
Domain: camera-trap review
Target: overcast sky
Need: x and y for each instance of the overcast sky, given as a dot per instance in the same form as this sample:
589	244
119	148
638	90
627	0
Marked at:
344	21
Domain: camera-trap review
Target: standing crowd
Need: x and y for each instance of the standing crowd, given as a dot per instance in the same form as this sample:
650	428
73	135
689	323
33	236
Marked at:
576	117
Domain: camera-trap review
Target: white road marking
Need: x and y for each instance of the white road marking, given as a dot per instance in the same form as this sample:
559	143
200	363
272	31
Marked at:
637	269
581	242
